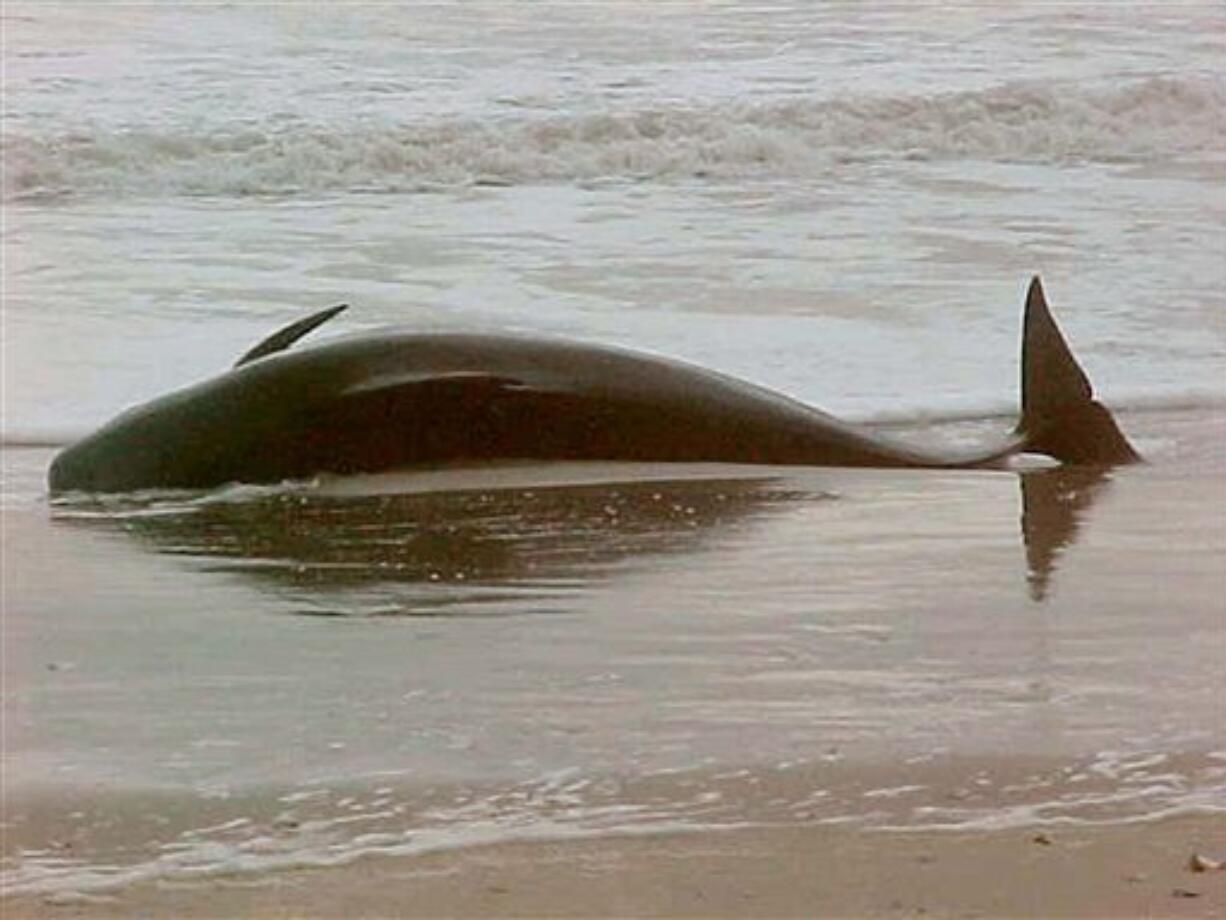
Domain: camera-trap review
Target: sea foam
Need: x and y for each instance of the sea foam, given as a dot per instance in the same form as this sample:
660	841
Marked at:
1019	122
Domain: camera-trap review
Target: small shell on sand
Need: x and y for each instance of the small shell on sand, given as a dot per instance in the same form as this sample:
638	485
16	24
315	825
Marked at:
1199	863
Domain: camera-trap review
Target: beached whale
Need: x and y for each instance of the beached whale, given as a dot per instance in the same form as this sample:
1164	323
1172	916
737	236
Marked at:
397	399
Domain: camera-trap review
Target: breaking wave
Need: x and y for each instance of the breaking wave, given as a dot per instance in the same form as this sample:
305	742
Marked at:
1135	122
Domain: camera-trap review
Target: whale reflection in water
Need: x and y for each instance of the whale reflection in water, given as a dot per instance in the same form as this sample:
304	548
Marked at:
477	547
458	552
1054	504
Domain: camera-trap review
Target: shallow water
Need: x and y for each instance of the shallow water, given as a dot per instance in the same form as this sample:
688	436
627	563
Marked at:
264	678
840	203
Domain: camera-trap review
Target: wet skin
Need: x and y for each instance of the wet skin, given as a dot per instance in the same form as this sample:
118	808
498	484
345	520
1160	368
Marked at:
400	399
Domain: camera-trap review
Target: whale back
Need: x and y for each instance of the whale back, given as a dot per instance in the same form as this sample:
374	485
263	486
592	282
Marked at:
397	399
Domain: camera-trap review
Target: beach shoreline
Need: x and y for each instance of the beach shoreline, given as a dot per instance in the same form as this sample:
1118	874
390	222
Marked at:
1086	871
556	689
920	746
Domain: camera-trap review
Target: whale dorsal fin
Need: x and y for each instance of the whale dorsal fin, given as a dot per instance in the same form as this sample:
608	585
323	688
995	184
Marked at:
284	338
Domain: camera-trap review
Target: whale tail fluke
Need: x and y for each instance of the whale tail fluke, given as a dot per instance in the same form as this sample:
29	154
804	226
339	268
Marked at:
1060	416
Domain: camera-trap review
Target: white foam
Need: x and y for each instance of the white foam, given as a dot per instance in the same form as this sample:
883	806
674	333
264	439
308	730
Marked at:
1130	805
1034	122
209	859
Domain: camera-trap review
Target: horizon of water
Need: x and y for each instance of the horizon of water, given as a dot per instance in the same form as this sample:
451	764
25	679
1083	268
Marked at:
840	202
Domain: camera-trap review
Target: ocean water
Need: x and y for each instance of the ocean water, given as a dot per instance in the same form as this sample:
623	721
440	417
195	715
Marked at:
840	202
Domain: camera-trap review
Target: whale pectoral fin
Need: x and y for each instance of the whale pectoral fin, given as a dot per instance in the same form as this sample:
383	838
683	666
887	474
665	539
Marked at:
284	338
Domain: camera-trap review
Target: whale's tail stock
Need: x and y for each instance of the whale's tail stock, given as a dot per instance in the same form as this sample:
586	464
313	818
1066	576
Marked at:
1060	416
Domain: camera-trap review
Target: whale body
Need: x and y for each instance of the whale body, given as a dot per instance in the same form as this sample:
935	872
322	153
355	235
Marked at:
397	399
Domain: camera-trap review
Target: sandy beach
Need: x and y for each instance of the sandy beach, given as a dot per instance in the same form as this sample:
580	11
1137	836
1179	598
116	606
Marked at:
538	688
806	867
1084	790
1112	871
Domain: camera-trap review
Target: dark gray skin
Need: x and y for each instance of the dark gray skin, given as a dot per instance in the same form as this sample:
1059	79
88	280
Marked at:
402	399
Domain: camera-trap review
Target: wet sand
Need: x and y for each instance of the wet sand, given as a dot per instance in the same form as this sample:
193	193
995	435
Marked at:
1041	822
1110	871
